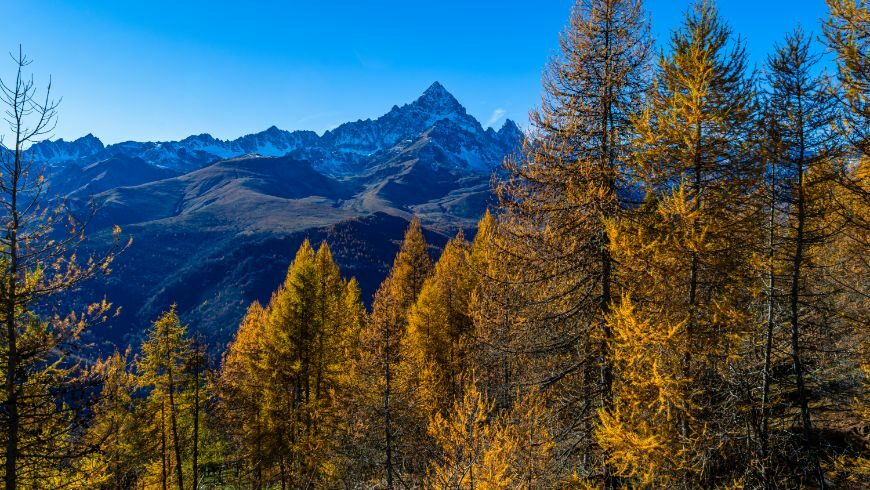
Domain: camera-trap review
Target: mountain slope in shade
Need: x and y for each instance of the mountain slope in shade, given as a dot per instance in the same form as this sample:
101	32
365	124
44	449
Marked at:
214	231
103	175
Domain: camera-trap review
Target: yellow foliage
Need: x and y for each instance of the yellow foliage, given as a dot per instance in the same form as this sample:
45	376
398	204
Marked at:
480	449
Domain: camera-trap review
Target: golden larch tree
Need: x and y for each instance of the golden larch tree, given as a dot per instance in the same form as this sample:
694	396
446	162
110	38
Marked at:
684	257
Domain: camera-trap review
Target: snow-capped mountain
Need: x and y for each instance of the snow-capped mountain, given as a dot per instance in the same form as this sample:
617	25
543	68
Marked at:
215	223
60	151
341	151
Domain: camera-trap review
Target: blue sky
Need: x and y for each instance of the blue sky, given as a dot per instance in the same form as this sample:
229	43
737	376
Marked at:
158	70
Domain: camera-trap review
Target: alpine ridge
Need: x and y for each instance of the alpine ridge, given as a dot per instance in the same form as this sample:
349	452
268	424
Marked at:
215	222
338	151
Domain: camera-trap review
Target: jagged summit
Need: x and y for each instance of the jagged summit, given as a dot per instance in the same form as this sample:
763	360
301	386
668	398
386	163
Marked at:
437	90
343	150
509	126
437	100
56	151
235	210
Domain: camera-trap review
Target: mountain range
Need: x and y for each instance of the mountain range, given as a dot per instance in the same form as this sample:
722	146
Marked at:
215	223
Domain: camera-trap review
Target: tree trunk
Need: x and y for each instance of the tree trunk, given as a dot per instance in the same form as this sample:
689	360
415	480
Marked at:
608	167
797	363
12	361
179	471
195	455
163	471
768	344
388	431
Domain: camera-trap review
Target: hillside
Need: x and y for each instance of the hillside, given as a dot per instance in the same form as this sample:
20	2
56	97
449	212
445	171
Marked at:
216	223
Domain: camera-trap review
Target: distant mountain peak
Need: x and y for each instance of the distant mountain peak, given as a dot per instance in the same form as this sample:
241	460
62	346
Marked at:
509	126
437	100
200	137
59	150
348	148
437	90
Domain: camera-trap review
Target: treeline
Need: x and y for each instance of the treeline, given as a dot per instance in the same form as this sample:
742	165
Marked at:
672	293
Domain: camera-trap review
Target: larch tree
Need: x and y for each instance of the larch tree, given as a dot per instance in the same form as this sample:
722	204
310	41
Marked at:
239	388
571	178
303	355
495	361
197	371
41	402
384	407
471	450
684	256
477	447
845	266
291	330
847	33
437	357
116	429
804	113
769	263
283	375
161	366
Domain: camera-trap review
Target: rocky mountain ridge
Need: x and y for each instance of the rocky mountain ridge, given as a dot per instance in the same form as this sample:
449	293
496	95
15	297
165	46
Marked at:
216	223
339	151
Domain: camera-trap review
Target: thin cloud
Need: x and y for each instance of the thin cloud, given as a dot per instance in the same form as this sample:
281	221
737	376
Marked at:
496	115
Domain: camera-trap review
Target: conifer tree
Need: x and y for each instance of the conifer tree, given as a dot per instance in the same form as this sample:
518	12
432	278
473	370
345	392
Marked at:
41	404
479	448
283	375
164	354
472	450
302	356
116	428
847	33
845	266
239	389
685	257
491	309
197	371
572	176
385	404
769	263
436	346
291	329
804	113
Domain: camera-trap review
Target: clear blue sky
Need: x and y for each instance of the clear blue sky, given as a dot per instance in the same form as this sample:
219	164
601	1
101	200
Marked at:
158	70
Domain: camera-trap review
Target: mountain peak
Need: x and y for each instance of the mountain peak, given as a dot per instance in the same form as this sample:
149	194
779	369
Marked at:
509	127
436	99
437	90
